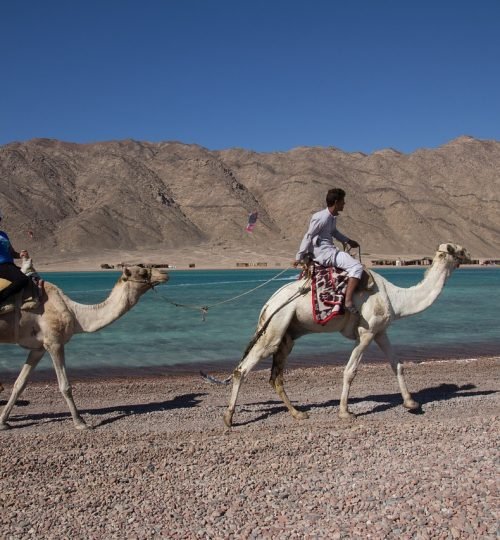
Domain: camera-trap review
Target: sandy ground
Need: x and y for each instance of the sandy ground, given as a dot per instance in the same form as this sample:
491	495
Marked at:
202	257
160	464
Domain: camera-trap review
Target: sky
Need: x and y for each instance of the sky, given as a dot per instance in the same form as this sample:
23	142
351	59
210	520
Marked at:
264	75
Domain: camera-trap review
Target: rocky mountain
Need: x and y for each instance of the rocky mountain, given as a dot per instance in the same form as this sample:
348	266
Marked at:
69	198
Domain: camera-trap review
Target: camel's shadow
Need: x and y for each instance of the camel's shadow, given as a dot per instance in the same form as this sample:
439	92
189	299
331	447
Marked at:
442	392
183	401
20	403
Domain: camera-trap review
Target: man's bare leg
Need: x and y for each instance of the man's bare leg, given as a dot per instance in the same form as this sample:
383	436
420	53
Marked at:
352	285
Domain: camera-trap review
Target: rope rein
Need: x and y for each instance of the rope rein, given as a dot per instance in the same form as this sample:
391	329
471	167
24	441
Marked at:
204	309
348	249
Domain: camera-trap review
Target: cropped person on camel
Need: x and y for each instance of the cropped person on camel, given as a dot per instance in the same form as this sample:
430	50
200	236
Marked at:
318	243
8	270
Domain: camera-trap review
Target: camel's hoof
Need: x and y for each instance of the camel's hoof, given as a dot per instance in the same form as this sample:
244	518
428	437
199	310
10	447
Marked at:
300	415
83	426
228	419
411	405
4	426
346	415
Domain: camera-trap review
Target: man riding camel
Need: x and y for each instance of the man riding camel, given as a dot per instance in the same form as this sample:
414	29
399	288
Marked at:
318	242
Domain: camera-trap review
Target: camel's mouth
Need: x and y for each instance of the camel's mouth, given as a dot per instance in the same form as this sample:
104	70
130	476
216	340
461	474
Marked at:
462	257
159	277
465	258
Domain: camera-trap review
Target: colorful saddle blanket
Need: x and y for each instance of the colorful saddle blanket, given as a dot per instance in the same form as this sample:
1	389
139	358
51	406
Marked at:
328	287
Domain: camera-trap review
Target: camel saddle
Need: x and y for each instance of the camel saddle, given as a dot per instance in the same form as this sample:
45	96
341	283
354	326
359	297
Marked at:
328	287
28	298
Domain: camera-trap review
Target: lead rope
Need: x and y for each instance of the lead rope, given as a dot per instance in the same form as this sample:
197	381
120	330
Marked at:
302	290
204	309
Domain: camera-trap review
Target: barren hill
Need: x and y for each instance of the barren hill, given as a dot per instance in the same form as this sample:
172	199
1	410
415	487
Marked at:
129	196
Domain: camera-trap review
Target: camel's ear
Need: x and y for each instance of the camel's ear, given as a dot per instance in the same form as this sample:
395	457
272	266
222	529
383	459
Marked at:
126	273
451	249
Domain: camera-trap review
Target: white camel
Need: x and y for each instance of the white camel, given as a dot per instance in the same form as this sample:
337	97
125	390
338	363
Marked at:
287	315
50	326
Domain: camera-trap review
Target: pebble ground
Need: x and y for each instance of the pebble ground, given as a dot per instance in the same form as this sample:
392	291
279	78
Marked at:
160	464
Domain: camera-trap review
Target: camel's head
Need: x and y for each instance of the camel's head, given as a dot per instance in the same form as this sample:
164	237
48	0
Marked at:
453	252
150	277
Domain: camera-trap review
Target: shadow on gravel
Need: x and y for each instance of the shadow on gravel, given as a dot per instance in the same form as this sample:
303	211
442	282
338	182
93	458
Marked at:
20	403
442	392
179	402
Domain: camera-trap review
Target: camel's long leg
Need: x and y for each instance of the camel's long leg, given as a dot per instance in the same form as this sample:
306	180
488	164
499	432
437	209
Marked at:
279	360
382	340
31	362
266	345
239	374
57	353
350	370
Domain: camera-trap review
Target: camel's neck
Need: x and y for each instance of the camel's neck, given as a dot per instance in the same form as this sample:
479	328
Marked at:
90	318
406	302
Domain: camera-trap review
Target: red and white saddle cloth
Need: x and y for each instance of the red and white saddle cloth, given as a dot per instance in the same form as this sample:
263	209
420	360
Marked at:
328	287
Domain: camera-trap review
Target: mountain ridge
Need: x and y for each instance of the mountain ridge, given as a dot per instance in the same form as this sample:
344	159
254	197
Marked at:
134	195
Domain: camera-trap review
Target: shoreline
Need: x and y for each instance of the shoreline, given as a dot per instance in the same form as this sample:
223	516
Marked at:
222	368
204	258
72	267
250	268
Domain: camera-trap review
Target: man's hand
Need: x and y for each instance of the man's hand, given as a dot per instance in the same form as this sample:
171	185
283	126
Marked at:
307	259
353	243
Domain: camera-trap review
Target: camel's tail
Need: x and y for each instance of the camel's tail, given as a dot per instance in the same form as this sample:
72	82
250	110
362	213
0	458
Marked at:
212	380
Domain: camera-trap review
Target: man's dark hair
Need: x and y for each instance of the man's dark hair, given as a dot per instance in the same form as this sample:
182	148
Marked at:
334	195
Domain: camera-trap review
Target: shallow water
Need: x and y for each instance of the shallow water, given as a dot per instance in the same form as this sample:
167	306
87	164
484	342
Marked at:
156	336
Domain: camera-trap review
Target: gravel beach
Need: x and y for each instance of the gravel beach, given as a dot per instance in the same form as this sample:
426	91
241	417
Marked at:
160	463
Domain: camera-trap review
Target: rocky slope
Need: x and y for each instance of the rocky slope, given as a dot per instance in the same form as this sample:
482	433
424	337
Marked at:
70	199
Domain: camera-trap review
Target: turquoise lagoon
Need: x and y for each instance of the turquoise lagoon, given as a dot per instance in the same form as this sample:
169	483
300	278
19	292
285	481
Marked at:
157	337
